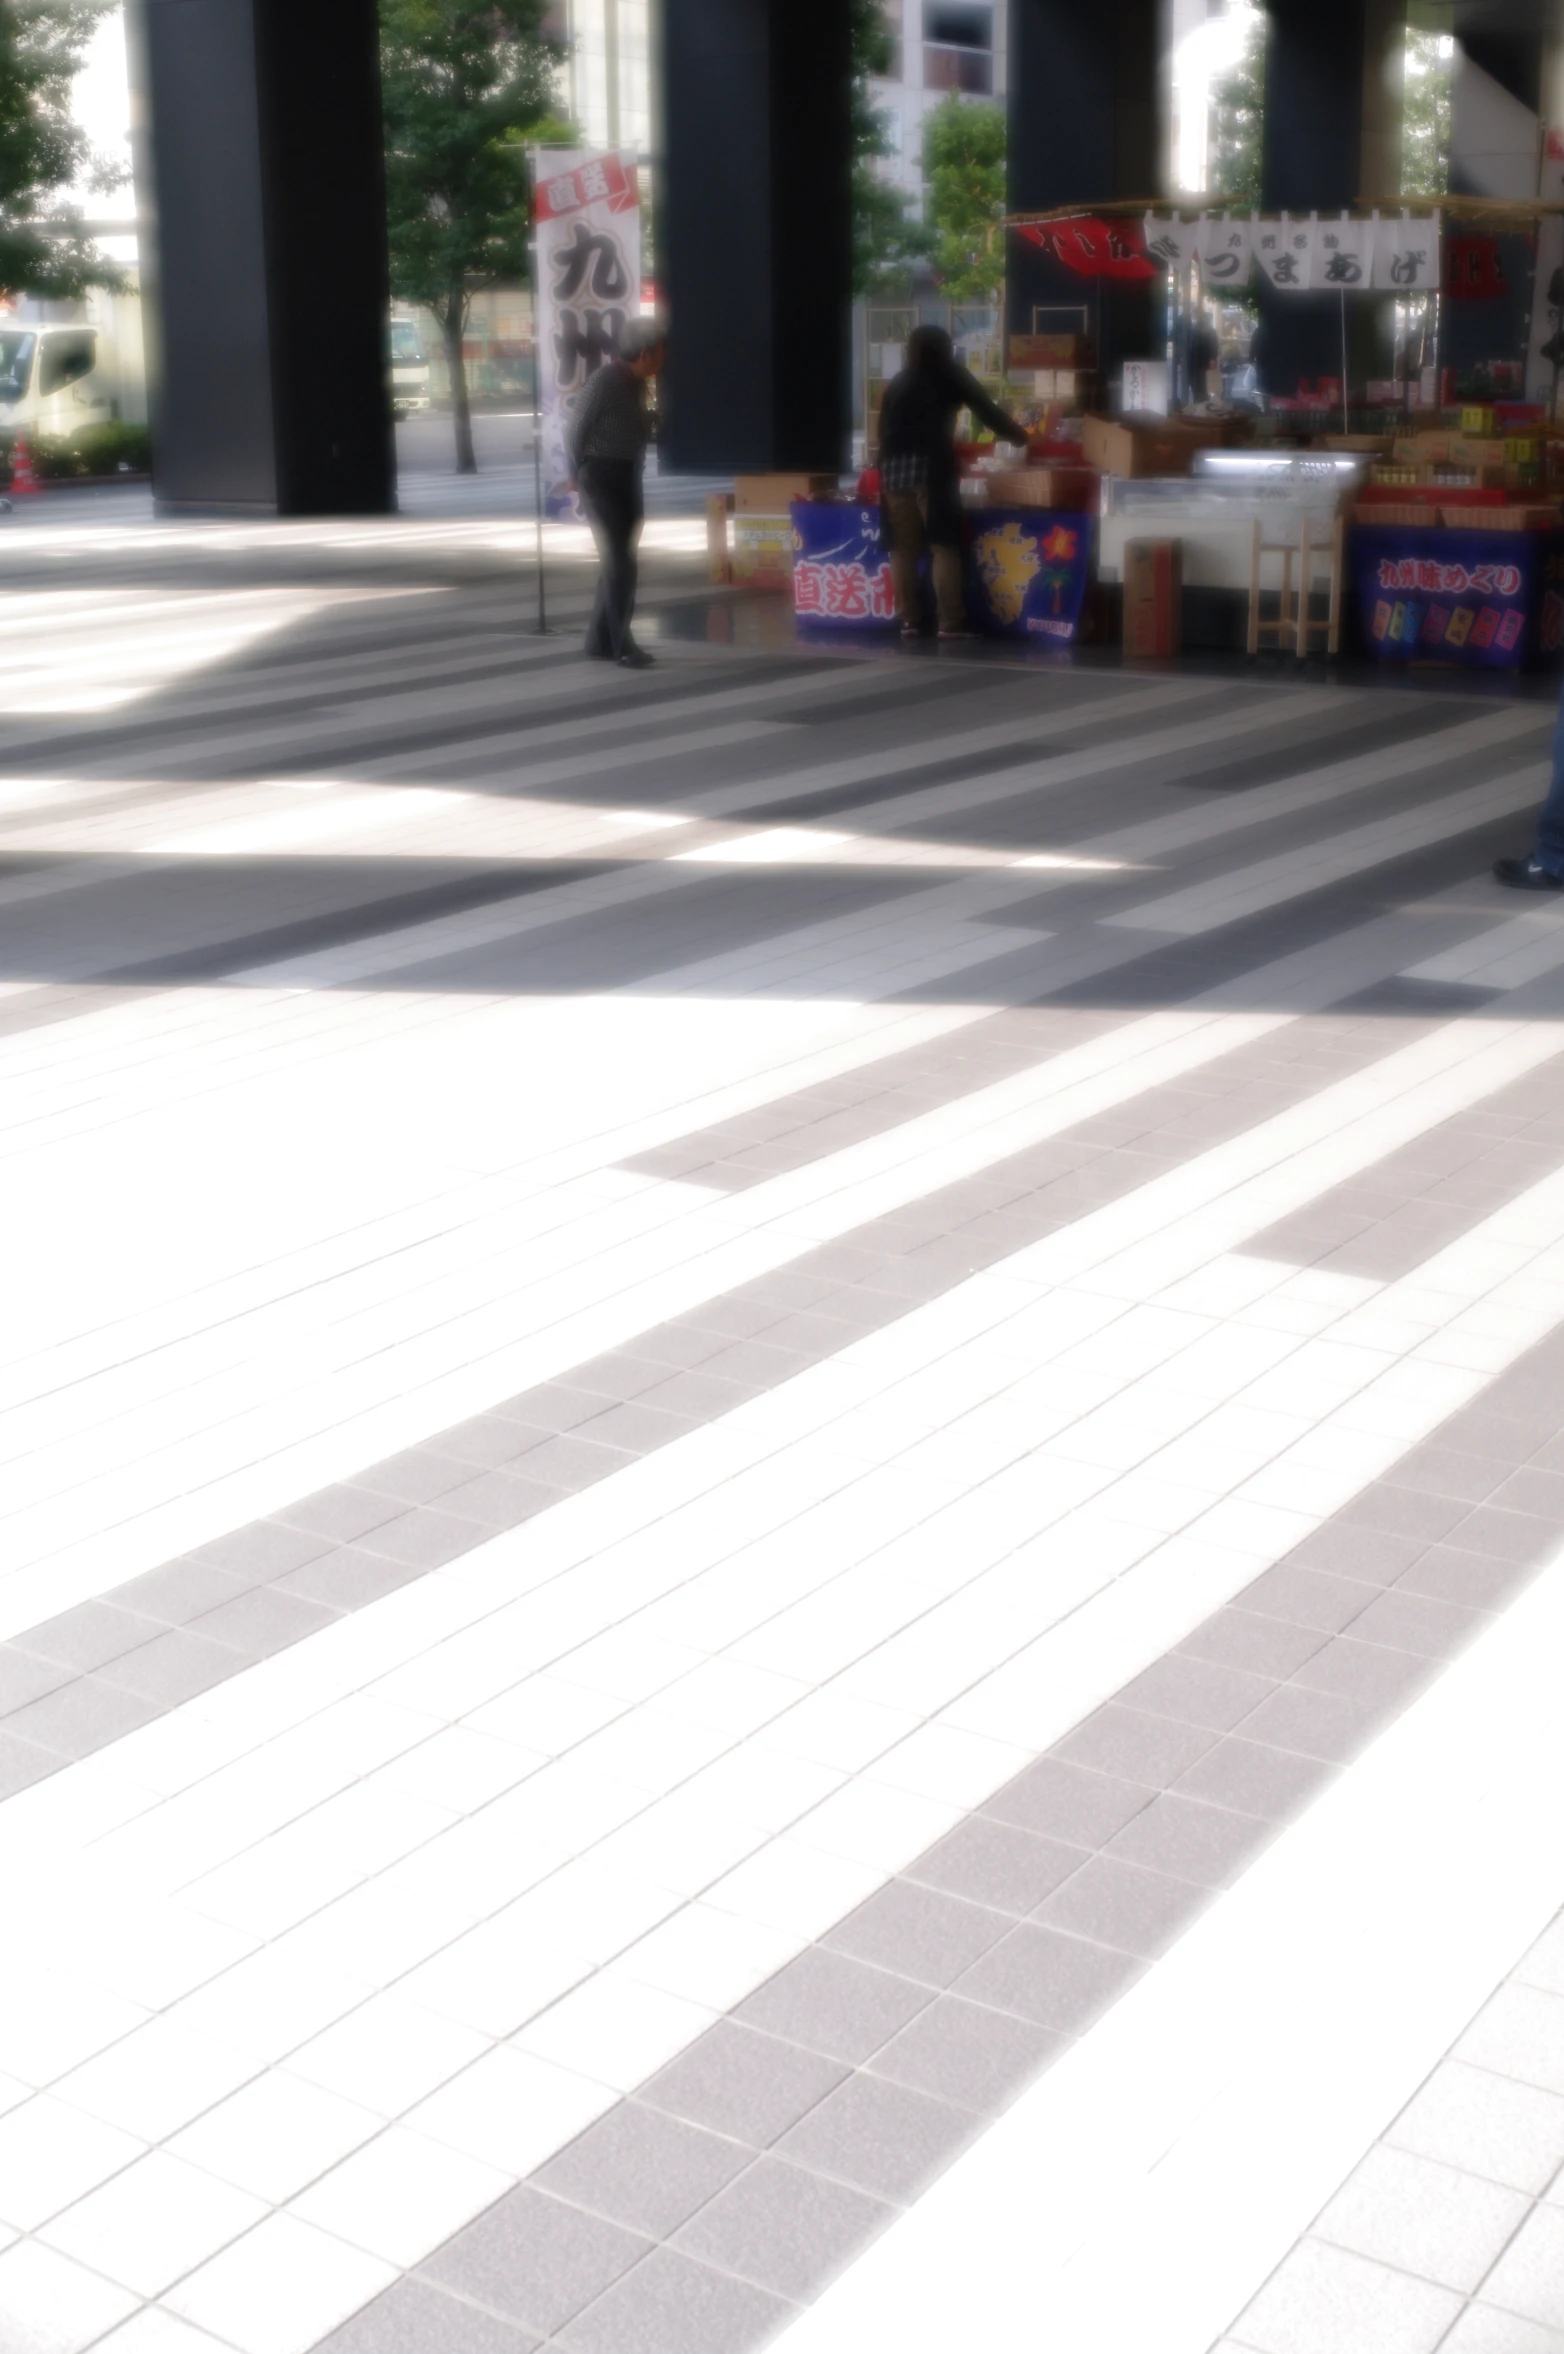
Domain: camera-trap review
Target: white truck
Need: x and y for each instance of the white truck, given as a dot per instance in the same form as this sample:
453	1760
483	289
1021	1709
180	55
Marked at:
409	369
52	380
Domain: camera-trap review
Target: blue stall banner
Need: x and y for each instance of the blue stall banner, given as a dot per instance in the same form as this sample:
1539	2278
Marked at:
1027	572
1492	600
841	566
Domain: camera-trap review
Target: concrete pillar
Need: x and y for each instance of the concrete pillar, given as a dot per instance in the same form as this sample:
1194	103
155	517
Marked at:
260	185
1495	134
755	253
1085	84
1332	140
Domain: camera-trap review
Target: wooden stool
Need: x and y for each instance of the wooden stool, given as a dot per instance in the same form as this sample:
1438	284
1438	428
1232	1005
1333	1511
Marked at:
1294	625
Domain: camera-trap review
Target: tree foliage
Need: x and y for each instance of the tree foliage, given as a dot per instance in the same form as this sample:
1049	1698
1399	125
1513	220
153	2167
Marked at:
964	164
466	86
1425	114
1238	120
44	249
888	236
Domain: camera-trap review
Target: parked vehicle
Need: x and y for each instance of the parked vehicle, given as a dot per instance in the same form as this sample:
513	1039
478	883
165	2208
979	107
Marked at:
409	369
51	381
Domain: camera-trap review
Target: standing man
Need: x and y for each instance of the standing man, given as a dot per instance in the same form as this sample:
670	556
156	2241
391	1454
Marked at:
608	436
920	480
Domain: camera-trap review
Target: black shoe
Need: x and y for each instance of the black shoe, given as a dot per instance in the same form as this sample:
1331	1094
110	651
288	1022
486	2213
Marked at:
1526	874
637	658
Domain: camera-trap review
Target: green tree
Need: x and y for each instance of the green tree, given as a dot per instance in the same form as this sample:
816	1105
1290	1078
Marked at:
43	247
964	166
1425	114
1238	120
467	86
888	236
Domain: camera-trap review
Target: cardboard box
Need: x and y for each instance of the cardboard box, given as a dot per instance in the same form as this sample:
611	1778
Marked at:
719	569
763	551
1049	351
1166	447
1511	518
773	494
1072	488
1153	599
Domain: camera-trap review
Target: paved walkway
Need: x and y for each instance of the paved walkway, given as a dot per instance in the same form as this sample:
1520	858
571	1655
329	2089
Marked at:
780	1545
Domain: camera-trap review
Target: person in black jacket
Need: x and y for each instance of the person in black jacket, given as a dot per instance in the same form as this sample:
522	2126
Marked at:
607	440
920	495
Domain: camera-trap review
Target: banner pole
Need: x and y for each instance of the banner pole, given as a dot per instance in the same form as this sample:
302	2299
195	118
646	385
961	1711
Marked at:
537	403
1346	418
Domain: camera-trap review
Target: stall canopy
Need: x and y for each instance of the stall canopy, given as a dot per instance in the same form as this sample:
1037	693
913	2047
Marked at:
1384	250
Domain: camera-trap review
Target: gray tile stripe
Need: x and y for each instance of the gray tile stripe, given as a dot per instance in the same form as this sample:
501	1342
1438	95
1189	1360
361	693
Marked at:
737	2180
1390	1219
75	1683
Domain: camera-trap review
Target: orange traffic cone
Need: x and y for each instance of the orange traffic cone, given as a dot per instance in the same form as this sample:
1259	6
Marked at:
23	479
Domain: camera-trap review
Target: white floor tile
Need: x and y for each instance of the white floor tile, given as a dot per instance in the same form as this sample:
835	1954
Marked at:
279	2289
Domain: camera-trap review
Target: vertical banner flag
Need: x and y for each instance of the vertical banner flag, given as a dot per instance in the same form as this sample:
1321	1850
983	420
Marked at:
1284	250
1344	254
1406	255
588	213
1222	247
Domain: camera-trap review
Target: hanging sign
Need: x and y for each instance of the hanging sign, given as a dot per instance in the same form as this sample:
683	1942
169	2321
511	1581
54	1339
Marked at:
1343	254
1284	250
1473	270
588	214
1406	254
1222	249
1168	240
1093	248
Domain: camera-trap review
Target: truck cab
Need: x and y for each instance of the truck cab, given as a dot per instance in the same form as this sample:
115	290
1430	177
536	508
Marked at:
409	368
51	380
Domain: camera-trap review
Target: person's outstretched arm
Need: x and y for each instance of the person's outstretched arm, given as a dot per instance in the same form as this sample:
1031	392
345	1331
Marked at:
988	412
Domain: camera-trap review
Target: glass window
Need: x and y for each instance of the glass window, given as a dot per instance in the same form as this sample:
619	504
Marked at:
66	359
16	366
404	341
959	27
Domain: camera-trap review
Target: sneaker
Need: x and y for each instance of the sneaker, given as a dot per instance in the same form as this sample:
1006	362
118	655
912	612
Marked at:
637	658
1526	874
911	631
947	634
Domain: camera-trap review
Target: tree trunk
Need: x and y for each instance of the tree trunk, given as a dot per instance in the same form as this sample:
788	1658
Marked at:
453	323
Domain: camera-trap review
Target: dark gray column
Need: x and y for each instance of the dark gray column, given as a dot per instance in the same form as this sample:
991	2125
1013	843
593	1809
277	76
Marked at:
1085	126
260	184
1331	127
1496	104
755	235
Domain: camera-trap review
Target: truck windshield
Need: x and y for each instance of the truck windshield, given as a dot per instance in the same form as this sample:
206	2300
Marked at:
16	365
405	345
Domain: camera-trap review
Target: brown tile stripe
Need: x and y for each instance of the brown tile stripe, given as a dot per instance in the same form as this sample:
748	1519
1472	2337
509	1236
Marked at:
702	2213
77	1682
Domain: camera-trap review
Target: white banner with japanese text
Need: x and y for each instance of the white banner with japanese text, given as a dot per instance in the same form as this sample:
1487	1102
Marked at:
587	210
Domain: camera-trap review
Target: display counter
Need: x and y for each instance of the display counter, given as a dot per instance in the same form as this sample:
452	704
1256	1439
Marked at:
1476	598
1213	514
1027	569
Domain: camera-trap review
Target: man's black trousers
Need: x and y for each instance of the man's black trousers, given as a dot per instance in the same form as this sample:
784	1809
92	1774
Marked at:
611	497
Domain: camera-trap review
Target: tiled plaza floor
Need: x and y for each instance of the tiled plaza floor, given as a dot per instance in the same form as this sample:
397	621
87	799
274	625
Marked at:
783	1492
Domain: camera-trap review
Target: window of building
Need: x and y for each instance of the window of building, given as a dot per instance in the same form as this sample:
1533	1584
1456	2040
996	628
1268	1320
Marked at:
958	27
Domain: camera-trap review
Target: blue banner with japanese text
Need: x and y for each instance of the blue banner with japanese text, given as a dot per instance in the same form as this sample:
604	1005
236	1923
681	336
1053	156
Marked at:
841	566
1491	600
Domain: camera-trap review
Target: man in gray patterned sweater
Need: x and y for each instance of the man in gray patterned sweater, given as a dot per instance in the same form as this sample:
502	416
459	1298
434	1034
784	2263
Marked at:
608	436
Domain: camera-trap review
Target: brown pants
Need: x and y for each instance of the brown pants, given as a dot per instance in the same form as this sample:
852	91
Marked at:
907	513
